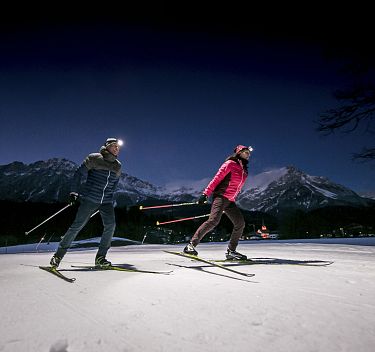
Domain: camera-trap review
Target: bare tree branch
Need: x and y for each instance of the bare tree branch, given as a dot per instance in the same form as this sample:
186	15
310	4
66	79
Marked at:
358	109
365	155
356	103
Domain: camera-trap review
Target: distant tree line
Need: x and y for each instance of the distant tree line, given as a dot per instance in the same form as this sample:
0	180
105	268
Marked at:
17	218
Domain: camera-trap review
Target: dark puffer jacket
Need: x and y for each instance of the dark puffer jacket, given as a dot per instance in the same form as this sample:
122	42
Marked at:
101	171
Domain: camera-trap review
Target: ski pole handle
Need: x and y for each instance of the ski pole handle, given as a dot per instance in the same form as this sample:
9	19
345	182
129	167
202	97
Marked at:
141	207
67	206
184	219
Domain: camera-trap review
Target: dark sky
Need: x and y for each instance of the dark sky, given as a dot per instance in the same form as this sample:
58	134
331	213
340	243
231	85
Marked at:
182	88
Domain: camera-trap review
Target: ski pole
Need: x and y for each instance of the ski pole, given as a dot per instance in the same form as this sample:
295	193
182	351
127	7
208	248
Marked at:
36	248
184	219
61	236
94	214
141	207
144	237
67	206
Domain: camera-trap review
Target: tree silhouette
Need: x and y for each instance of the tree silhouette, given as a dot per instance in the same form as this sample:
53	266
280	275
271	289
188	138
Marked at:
356	108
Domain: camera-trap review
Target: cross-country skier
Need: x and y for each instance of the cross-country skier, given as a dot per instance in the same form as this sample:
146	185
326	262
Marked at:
93	185
224	188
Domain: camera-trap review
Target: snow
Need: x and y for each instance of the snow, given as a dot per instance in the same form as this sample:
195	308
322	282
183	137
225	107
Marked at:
52	246
370	195
325	192
262	180
289	308
259	182
186	186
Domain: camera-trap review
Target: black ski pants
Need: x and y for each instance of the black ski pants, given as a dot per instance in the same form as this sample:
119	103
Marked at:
85	210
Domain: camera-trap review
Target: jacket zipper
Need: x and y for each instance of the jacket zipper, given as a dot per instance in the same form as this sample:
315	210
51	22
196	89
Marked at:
109	174
235	195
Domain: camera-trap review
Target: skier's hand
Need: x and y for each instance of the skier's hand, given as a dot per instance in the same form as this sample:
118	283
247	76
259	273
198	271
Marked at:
202	199
73	198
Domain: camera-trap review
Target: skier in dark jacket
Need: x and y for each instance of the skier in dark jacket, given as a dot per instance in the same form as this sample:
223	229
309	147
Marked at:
93	185
224	188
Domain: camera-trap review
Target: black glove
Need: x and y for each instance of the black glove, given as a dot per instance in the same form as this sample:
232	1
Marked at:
202	199
73	198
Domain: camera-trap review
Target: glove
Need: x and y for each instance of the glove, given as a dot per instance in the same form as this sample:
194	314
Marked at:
202	199
73	198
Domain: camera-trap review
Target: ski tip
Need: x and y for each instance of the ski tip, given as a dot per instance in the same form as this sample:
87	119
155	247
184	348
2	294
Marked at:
54	271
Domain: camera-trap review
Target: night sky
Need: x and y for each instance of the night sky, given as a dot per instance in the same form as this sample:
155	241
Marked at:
181	92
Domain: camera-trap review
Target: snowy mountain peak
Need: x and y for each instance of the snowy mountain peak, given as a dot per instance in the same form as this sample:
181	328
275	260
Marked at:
54	164
291	188
186	187
270	191
262	180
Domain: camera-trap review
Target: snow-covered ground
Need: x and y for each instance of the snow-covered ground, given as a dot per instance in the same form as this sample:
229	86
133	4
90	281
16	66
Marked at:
52	246
196	308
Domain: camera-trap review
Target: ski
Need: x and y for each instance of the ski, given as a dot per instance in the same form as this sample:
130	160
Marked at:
119	268
210	262
276	262
57	273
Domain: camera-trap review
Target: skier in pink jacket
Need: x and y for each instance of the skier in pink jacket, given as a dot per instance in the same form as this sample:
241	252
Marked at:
224	188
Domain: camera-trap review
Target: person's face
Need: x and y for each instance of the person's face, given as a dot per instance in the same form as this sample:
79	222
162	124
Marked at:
114	149
245	154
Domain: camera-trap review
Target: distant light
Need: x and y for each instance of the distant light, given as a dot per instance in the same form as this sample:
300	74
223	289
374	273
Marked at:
120	142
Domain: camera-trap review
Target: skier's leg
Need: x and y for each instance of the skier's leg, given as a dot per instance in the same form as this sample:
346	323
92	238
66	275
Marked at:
235	215
109	223
84	212
217	208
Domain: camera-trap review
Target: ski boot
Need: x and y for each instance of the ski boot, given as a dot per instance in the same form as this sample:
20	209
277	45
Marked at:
101	262
190	249
55	261
233	255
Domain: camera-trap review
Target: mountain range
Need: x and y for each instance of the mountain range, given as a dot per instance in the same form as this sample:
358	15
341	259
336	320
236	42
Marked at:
272	191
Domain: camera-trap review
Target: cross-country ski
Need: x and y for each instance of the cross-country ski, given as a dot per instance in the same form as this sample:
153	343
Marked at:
210	262
119	268
273	261
57	273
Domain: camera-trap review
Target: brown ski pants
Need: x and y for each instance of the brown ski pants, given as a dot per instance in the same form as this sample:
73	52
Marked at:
220	205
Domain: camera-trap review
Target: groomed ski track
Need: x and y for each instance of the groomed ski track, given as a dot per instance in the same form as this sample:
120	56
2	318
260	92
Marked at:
287	308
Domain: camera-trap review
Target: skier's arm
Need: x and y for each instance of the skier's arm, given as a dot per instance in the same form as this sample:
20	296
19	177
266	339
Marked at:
222	172
79	177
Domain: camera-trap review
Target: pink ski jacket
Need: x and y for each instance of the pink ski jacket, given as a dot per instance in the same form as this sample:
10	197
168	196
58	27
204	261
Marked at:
228	181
